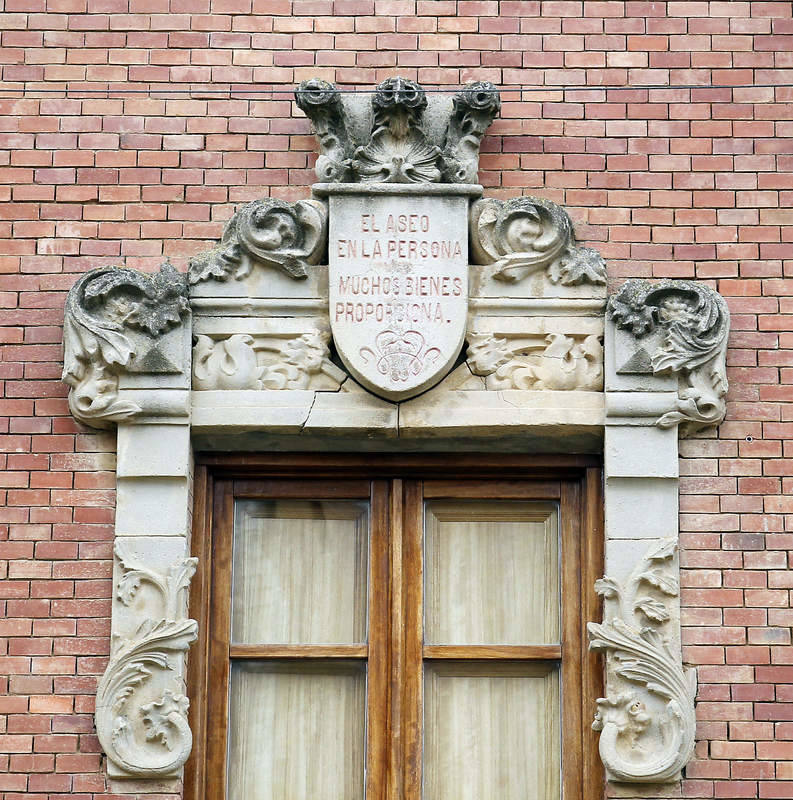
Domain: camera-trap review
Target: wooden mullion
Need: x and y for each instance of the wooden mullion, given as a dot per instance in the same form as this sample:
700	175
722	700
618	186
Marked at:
219	625
395	769
378	665
412	685
572	712
540	652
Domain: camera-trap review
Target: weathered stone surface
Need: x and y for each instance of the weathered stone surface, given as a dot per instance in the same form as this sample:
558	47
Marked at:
679	328
115	321
141	707
526	235
271	233
398	139
398	286
646	721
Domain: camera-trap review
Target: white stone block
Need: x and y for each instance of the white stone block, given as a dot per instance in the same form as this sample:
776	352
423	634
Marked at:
644	451
153	450
152	506
641	508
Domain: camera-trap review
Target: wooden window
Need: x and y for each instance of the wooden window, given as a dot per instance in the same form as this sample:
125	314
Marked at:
408	630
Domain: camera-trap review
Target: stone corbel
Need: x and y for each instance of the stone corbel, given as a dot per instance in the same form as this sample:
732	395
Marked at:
677	328
120	322
528	235
646	721
141	707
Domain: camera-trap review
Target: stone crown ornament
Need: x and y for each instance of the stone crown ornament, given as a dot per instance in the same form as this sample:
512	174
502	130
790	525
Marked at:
402	145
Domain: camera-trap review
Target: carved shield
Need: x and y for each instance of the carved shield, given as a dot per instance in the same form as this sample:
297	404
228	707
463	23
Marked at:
398	284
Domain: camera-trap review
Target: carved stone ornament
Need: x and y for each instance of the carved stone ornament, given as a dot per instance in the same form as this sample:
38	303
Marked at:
402	146
553	361
526	235
272	233
680	327
113	322
241	361
646	721
141	708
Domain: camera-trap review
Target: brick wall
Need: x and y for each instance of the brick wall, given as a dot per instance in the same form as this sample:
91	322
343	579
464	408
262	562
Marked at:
667	182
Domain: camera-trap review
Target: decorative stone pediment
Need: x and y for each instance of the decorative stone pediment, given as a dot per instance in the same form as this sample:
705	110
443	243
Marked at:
359	318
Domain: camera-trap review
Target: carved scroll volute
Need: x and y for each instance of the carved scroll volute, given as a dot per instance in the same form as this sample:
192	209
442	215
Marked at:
647	720
289	237
141	707
114	319
475	108
680	328
526	235
321	103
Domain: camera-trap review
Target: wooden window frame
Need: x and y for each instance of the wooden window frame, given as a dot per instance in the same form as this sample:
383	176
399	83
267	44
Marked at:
395	484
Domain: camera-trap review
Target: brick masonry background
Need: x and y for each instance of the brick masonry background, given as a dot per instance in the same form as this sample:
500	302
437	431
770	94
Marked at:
692	182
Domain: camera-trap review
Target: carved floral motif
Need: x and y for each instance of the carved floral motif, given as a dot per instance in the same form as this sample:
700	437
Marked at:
110	313
686	326
272	233
400	147
554	361
246	362
526	235
150	739
647	720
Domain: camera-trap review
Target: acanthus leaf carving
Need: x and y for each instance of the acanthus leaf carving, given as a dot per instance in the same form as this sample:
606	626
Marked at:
109	311
553	361
527	235
241	361
687	325
148	739
646	721
269	232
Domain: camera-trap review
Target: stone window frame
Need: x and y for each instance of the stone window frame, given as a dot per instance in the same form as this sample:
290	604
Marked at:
130	361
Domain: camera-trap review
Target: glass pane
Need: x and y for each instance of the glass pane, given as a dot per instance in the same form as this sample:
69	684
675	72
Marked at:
300	572
296	731
491	572
491	730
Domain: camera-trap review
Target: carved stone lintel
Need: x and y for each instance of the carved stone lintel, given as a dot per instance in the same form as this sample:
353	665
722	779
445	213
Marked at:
269	232
646	721
526	235
113	320
401	147
148	739
265	362
680	327
553	361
